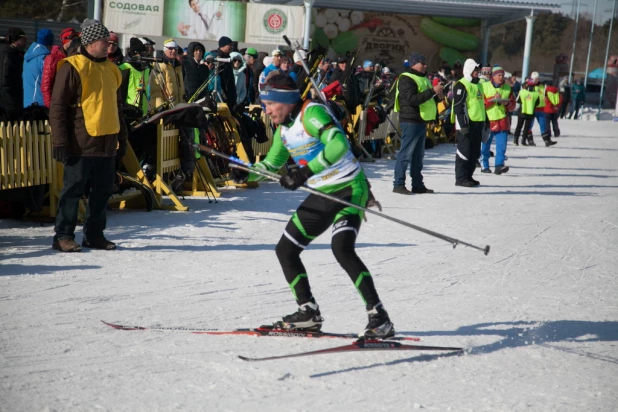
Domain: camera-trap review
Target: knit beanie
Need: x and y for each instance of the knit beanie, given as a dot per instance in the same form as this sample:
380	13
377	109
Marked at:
224	41
14	33
93	30
67	35
136	46
417	58
252	52
170	44
486	71
45	37
497	70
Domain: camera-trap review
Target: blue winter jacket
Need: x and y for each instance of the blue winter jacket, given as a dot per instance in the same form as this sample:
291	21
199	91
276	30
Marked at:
33	73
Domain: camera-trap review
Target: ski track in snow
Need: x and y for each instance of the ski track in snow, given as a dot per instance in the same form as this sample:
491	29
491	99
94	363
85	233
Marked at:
538	316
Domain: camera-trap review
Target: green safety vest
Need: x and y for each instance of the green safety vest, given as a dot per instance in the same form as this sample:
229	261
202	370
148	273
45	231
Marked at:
554	98
428	109
137	81
540	89
474	102
528	101
496	111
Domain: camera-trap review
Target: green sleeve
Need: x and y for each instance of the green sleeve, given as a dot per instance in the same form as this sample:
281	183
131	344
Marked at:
319	123
274	160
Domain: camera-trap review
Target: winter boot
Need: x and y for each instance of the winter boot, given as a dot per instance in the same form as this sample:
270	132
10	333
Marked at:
99	243
307	318
402	190
501	169
67	245
516	140
380	325
488	170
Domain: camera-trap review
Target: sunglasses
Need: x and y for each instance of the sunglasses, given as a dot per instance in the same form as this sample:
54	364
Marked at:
171	48
113	43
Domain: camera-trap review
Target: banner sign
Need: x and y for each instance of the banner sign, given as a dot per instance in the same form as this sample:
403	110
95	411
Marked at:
134	16
205	19
270	22
390	38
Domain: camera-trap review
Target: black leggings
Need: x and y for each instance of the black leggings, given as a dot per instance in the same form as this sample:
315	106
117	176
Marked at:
312	218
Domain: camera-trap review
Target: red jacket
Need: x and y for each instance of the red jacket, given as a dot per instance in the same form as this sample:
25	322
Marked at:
550	108
50	67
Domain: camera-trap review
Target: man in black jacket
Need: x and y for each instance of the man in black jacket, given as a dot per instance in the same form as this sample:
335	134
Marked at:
195	72
228	82
11	67
414	100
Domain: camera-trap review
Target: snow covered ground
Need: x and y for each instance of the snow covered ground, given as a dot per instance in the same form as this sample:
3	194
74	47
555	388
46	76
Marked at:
538	316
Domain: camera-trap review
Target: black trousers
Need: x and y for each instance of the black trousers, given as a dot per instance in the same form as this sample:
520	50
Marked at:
468	152
552	123
99	173
313	217
564	107
523	122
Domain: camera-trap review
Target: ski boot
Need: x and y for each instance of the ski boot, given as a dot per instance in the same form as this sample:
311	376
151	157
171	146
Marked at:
306	318
380	325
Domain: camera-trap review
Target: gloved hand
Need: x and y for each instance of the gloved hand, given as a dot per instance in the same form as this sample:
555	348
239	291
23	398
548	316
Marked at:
121	151
61	154
296	178
239	176
464	131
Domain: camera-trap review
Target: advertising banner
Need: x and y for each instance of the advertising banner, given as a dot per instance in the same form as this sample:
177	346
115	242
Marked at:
134	16
205	19
390	38
270	22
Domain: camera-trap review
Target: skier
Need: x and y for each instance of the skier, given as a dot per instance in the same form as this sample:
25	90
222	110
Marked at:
310	134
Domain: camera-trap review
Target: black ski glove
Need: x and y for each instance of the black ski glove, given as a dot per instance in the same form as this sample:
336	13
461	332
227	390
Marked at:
296	178
464	131
122	149
61	154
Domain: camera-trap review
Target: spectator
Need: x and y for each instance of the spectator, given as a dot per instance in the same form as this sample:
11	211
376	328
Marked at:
215	84
135	75
324	72
339	71
226	74
194	70
457	71
50	66
33	67
414	100
552	107
114	54
85	137
297	71
239	67
565	95
166	81
285	66
275	63
11	67
578	97
528	99
252	74
499	101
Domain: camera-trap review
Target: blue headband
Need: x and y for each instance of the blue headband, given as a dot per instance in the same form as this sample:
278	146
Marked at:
281	96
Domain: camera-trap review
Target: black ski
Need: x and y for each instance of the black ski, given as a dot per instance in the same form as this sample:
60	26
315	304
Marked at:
360	345
261	331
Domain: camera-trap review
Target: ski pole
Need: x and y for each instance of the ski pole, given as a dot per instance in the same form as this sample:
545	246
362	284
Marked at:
247	167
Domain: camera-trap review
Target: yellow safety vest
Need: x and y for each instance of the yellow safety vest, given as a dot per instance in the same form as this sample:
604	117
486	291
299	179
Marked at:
554	98
100	83
496	111
474	102
540	89
137	89
528	101
428	109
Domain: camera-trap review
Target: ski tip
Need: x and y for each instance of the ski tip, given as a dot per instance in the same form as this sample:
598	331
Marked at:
247	359
486	250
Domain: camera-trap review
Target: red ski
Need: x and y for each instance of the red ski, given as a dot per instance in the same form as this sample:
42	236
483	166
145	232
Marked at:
360	345
261	331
